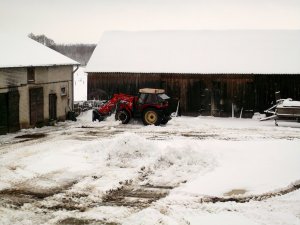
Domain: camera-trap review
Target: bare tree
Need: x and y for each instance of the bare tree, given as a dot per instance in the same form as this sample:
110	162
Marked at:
78	52
43	39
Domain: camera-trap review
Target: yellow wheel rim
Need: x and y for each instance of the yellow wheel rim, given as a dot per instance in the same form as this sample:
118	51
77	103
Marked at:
151	117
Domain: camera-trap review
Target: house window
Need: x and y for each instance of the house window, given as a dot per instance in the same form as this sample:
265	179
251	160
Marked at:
63	91
30	75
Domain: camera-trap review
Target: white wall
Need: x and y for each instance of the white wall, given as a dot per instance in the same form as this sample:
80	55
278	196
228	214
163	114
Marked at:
52	79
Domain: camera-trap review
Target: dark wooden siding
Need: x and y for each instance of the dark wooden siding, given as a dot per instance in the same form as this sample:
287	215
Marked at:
266	86
105	85
205	94
209	94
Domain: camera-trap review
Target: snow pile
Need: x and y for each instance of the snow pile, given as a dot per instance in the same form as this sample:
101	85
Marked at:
258	116
130	150
177	164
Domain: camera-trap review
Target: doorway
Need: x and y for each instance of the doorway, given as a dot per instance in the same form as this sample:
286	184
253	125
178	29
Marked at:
9	112
36	97
52	107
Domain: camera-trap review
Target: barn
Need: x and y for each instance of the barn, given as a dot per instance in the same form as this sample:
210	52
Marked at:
36	84
218	73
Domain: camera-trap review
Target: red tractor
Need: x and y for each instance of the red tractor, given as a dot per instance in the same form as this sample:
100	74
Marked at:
151	105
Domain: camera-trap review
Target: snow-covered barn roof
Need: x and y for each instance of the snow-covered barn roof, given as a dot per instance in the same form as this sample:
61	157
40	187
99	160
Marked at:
25	52
205	52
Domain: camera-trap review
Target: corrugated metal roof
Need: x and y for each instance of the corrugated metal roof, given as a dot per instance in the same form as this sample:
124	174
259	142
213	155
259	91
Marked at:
25	52
198	52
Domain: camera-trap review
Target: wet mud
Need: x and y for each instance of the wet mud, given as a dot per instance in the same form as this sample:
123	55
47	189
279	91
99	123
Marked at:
236	195
79	221
32	136
135	196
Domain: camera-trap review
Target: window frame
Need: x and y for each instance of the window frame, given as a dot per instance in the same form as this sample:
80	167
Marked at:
30	75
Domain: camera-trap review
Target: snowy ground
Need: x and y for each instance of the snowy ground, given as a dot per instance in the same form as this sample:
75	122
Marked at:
194	170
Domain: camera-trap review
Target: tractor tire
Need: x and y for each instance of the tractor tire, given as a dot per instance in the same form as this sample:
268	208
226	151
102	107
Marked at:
151	117
164	121
95	115
123	116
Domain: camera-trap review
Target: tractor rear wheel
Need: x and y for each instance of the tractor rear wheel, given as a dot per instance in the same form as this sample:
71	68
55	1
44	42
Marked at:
123	116
150	117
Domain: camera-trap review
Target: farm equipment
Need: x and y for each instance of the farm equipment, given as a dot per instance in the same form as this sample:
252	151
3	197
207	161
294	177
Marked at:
150	105
284	109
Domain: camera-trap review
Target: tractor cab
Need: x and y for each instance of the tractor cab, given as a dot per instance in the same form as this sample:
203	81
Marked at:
151	97
152	106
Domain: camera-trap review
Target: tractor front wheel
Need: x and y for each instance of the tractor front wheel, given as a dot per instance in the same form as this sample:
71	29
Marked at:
123	116
150	117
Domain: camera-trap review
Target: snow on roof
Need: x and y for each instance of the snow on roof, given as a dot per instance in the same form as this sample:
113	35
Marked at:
231	51
25	52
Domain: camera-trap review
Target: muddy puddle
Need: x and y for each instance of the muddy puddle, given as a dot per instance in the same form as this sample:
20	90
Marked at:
31	136
25	193
137	196
79	221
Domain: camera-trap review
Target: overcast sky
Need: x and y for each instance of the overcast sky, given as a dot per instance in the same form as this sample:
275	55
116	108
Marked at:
84	21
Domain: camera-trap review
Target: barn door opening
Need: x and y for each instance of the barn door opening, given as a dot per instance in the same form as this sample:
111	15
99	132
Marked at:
3	113
52	106
204	99
36	106
219	98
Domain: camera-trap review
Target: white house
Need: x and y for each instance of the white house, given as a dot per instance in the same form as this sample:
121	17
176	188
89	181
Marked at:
36	84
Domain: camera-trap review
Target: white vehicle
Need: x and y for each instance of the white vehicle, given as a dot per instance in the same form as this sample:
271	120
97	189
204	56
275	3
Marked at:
284	109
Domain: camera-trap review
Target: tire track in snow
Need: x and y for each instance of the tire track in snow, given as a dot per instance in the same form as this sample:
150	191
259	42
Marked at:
238	199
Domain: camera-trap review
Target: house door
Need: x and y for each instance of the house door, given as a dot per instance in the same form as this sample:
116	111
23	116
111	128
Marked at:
13	111
3	114
52	107
9	112
36	106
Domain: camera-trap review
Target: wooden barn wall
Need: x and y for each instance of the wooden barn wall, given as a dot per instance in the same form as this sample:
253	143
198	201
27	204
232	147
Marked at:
209	94
266	86
104	85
